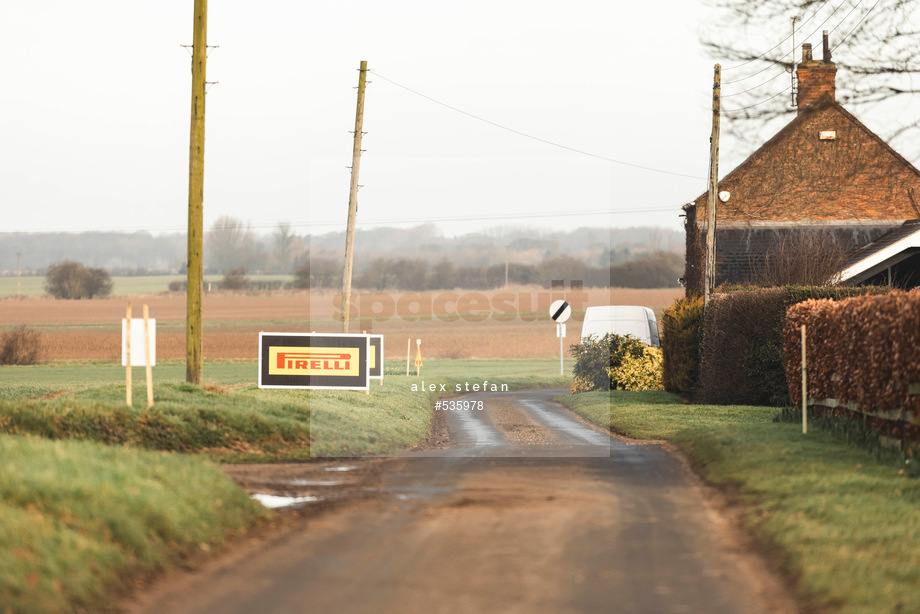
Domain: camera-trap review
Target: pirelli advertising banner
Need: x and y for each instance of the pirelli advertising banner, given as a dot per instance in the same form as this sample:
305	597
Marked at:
314	360
376	367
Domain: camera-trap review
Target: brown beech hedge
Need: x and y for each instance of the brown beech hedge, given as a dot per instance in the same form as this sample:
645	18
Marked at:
863	353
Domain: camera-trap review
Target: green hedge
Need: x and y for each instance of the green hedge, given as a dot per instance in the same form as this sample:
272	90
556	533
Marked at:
741	354
681	333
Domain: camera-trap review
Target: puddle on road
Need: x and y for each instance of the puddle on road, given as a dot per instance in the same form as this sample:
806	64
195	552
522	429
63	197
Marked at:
276	501
302	482
421	493
338	468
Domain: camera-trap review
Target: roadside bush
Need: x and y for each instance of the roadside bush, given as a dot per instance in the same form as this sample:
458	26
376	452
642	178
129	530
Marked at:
681	333
595	360
741	354
638	372
20	346
178	285
72	280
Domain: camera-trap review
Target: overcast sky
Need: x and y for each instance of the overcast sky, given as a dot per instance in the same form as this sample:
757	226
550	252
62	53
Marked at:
95	99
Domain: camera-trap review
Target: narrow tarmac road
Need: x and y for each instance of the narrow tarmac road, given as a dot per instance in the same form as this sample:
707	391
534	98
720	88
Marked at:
528	510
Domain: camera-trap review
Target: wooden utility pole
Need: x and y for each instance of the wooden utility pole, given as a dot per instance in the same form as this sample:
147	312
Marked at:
794	19
353	199
713	186
193	330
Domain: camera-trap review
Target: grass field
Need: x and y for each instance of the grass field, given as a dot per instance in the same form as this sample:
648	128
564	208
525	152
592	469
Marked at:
32	286
845	525
513	324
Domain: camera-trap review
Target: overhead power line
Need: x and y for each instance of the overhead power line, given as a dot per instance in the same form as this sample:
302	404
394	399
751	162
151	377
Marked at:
759	85
764	54
532	137
761	56
757	104
861	19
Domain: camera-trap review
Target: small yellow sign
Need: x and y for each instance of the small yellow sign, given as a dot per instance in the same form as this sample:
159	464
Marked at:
313	361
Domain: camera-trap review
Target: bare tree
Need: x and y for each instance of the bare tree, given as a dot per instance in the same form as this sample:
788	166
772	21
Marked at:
284	239
229	244
802	258
875	45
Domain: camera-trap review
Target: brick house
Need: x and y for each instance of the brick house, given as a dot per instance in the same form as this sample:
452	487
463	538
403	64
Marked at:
891	260
825	172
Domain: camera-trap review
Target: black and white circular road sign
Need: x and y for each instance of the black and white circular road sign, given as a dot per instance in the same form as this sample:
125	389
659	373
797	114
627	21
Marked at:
560	311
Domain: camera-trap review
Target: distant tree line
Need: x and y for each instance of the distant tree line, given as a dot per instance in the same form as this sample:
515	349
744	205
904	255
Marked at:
230	243
657	270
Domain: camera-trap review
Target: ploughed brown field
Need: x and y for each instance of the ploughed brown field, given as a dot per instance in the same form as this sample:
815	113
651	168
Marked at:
511	323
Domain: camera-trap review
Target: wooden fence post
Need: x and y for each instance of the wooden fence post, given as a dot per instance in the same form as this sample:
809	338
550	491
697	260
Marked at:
128	383
804	387
149	368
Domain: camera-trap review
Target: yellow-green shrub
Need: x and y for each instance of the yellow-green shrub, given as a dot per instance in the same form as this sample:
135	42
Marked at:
615	363
594	358
639	372
580	384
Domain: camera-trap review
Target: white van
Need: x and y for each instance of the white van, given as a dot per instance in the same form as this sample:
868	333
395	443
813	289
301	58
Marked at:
624	320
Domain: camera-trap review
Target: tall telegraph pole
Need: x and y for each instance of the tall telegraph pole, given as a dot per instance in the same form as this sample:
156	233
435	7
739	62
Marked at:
193	332
794	19
353	198
713	186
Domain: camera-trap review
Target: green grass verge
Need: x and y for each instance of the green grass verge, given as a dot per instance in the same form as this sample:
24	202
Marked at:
27	382
80	518
845	525
234	420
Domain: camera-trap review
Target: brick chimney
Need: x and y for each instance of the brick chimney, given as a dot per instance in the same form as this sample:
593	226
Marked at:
816	77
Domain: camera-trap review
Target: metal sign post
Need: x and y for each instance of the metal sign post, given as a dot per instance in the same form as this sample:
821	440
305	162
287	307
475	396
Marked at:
560	311
560	332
